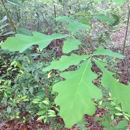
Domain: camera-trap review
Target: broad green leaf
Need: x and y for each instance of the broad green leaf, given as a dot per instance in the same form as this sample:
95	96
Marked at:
75	26
70	44
22	42
46	102
98	0
117	19
122	124
85	15
65	62
24	31
23	1
64	19
98	118
75	94
41	112
84	21
106	124
104	18
119	2
119	91
107	52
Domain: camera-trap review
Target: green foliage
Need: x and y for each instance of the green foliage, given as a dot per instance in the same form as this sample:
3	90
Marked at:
64	19
22	42
118	90
75	26
82	91
70	44
77	88
24	31
122	124
65	62
21	85
107	52
112	112
118	2
76	92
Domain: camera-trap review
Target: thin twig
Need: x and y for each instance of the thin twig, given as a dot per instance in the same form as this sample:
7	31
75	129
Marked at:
127	27
8	15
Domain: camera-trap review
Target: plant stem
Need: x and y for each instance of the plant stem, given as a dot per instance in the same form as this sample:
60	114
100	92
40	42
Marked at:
55	14
127	27
8	15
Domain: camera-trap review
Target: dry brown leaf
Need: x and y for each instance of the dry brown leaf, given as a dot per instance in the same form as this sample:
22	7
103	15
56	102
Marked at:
24	127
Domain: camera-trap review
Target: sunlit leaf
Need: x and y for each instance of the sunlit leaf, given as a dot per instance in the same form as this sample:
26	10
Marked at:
65	62
119	2
98	0
64	19
118	91
122	124
75	26
22	42
70	44
75	94
107	52
24	31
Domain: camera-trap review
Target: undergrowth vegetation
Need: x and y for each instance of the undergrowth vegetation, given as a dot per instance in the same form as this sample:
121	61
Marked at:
63	62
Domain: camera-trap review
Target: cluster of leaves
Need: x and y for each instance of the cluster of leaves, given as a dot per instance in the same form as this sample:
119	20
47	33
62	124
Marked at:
76	90
30	13
25	91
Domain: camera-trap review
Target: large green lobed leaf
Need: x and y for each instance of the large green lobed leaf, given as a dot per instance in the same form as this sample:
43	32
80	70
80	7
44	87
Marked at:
75	94
107	52
22	42
119	91
118	2
65	62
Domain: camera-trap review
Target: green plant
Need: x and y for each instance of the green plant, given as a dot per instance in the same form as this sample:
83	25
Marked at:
81	125
21	84
76	90
111	113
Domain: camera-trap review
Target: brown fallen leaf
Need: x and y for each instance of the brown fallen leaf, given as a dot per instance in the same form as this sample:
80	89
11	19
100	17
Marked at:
23	127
